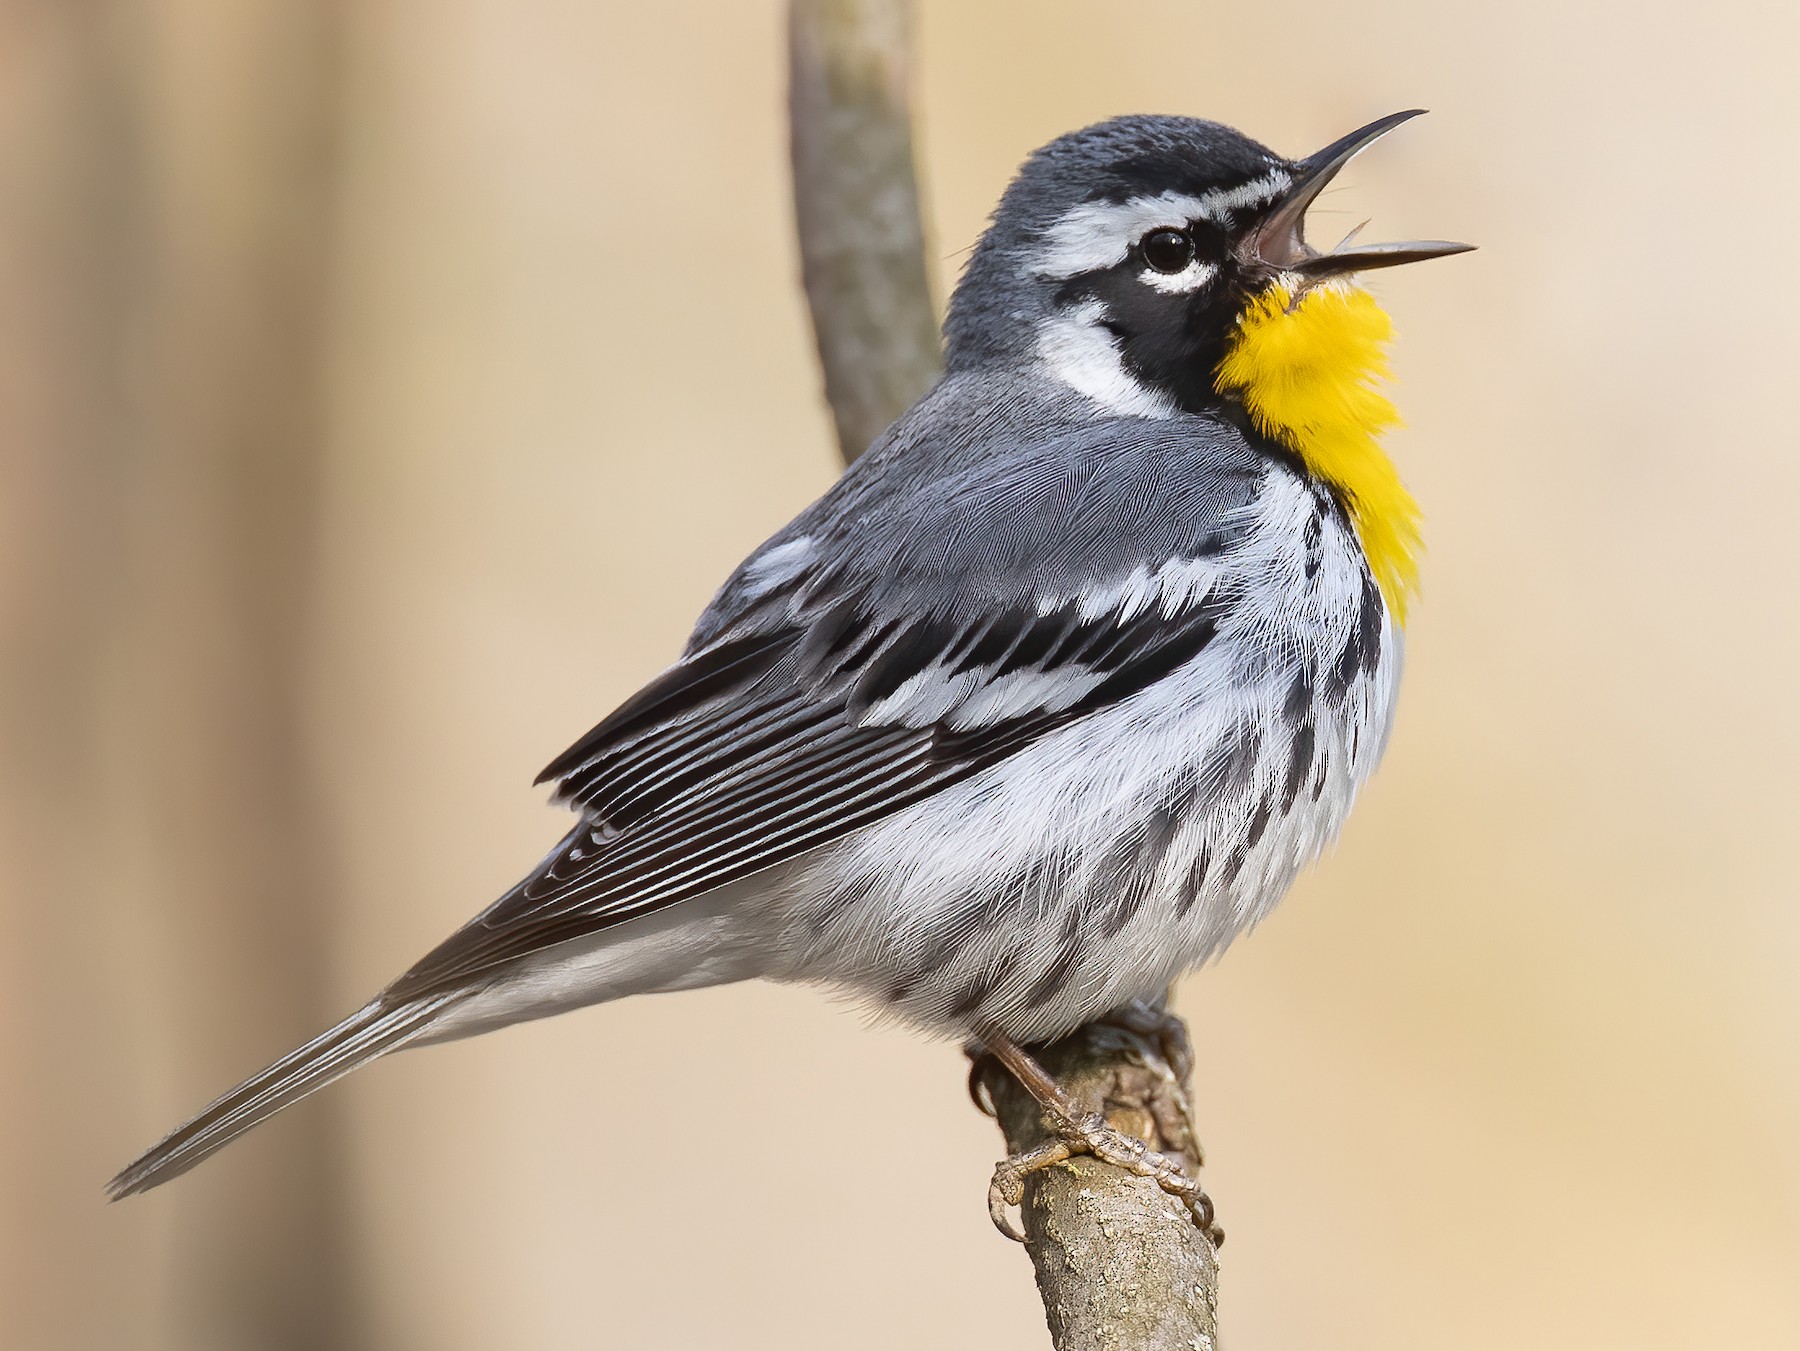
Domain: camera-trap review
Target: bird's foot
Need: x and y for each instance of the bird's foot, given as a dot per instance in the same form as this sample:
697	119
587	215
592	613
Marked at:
1093	1134
1168	1053
1075	1128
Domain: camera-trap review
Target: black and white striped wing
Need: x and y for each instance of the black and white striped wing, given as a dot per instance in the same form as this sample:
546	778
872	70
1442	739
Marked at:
871	679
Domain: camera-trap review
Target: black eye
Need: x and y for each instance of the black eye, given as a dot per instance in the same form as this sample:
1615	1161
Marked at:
1167	250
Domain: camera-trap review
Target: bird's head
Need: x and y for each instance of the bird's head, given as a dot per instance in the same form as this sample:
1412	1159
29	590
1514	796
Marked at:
1159	265
1127	258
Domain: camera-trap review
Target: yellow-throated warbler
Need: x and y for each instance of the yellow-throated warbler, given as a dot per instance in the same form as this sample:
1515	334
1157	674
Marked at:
1047	699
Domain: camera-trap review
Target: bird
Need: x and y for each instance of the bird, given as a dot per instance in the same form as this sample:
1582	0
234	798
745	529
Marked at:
1047	699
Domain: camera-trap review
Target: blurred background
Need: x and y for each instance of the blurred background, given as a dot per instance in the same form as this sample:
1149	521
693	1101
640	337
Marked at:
384	386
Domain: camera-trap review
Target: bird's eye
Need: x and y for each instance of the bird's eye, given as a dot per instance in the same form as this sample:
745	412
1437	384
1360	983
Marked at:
1167	250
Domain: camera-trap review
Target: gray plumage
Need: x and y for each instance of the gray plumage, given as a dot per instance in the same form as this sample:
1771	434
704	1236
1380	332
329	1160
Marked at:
1045	701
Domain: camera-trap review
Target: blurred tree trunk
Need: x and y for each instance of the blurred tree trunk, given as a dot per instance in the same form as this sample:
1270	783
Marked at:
172	241
62	135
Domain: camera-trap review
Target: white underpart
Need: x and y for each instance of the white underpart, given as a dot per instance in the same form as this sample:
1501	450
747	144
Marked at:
1097	235
686	947
1078	351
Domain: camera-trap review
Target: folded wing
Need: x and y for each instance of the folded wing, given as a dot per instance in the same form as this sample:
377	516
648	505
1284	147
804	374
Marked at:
876	671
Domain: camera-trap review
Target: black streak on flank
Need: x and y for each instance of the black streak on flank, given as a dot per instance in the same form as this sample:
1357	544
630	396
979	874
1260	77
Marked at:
970	1000
984	985
1254	829
846	898
1196	880
1259	826
1130	870
1298	705
1068	952
1229	765
1119	881
1315	552
1362	649
1297	713
1369	625
1300	756
947	944
1234	862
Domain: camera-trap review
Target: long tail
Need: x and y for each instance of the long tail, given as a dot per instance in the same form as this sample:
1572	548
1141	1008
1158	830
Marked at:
371	1031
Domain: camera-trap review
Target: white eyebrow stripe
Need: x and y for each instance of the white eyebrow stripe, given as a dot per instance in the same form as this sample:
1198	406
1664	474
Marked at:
1098	235
1257	192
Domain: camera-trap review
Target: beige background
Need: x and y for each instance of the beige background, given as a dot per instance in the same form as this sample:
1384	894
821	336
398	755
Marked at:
386	385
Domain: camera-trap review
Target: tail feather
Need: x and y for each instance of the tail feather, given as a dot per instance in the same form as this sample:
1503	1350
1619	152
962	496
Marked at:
370	1032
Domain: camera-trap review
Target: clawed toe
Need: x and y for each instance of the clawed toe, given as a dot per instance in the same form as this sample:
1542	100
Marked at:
1092	1135
1007	1190
1078	1131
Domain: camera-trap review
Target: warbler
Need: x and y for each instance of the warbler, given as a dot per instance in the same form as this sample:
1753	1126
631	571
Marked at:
1047	699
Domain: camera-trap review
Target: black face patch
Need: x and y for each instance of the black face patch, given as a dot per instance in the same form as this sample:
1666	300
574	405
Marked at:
1170	340
995	309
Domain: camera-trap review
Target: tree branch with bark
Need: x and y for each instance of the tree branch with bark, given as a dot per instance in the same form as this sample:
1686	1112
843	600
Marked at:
1120	1263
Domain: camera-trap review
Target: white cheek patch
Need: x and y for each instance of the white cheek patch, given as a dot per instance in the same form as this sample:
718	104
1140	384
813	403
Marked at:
1078	351
1097	235
1185	282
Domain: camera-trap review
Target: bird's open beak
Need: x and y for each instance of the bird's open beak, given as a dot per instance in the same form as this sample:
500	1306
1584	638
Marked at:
1280	241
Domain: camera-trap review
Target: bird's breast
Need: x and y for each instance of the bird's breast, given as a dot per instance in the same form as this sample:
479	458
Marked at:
1104	859
1308	366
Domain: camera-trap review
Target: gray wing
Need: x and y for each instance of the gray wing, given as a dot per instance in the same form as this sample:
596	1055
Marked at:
856	667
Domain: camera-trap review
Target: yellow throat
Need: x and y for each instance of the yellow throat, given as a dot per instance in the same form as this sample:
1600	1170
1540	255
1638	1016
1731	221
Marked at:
1309	374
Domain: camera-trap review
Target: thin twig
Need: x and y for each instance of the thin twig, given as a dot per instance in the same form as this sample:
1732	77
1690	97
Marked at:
1121	1264
856	205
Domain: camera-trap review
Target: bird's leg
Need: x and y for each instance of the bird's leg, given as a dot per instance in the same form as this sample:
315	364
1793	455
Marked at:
1076	1131
1150	1021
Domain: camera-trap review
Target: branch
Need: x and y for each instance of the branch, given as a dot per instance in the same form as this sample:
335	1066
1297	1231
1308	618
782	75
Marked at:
1121	1266
856	205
